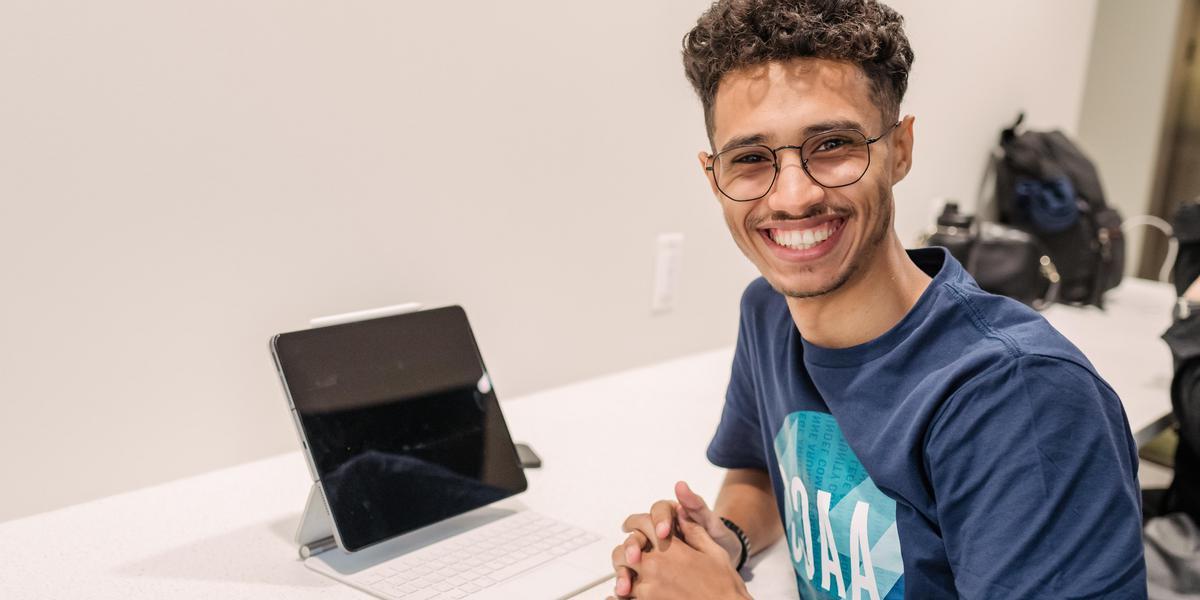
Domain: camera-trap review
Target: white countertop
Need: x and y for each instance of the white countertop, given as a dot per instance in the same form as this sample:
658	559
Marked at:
610	446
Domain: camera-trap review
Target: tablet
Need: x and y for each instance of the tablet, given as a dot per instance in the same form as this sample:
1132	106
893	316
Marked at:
399	421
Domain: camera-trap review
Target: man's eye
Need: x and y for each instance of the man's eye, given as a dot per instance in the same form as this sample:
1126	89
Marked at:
831	144
751	159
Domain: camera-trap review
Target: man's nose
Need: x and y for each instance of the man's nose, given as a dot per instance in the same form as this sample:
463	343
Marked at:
794	191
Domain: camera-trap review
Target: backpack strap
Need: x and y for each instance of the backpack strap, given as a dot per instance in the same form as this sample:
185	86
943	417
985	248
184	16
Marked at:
985	196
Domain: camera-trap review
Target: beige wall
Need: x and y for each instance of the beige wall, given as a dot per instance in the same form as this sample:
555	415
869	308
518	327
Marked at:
1125	100
978	64
179	181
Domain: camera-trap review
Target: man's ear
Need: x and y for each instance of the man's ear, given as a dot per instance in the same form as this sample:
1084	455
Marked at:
902	146
704	157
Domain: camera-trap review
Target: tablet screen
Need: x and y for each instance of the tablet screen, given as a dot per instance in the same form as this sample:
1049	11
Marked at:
400	420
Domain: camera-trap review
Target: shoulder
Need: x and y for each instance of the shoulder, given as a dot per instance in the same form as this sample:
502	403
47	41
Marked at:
1046	398
965	321
1015	335
1009	360
1033	374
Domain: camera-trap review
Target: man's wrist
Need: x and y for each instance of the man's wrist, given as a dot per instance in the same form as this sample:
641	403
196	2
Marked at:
743	551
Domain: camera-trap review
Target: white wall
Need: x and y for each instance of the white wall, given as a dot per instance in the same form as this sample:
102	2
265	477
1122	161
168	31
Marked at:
179	181
1122	117
978	64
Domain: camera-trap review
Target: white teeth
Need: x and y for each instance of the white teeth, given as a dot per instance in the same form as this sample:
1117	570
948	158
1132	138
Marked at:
802	239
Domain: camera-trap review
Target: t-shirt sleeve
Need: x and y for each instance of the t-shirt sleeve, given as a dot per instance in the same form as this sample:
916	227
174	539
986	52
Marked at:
1034	476
737	443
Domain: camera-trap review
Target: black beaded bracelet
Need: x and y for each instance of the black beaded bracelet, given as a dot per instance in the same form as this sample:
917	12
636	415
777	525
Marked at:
742	539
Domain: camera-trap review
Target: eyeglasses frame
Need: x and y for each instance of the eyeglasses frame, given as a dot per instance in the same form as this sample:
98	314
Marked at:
712	159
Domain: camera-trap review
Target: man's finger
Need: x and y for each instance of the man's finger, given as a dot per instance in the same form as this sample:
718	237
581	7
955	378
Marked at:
642	524
662	513
634	545
624	585
618	559
697	537
625	574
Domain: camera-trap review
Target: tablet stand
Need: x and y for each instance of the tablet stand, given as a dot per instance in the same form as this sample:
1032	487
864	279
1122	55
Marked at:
315	534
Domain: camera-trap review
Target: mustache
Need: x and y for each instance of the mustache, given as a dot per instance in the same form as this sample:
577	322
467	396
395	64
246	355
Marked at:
818	210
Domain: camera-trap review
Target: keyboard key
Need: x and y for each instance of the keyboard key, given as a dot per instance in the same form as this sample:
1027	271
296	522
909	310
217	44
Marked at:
519	567
424	594
386	588
369	578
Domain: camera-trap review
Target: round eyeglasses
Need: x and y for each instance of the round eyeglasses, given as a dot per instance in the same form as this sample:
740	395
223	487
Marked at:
832	159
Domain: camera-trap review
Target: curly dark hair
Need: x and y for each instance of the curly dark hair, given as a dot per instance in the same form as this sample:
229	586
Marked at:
733	34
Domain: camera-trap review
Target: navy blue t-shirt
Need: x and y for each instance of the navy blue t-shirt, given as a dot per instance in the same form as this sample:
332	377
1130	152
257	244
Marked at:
971	451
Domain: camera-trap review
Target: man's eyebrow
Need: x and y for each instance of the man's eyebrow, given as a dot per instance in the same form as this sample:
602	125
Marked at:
824	126
755	139
745	140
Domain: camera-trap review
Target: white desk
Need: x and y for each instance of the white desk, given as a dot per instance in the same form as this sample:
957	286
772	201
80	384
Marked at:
611	446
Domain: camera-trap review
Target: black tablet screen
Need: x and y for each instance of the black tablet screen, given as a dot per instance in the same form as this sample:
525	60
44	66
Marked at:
401	421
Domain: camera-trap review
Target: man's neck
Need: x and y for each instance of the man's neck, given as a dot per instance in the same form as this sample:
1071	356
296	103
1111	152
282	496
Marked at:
867	306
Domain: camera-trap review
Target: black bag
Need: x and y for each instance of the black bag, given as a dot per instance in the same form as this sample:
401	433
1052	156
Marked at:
1003	260
1047	188
1186	227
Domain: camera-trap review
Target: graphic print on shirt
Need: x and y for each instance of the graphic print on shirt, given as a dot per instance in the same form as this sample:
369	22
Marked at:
841	529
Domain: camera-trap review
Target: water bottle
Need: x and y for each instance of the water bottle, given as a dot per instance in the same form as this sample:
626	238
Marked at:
953	232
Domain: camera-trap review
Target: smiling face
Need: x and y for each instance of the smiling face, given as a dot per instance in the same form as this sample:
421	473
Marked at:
808	240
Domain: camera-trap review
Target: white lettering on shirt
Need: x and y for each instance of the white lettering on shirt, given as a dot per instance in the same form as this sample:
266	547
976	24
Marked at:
860	552
801	549
830	565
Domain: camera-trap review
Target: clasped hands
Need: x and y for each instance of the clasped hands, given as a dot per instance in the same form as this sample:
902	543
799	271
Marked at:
679	550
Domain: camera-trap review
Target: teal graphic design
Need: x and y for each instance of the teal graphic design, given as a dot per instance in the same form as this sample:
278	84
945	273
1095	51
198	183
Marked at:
841	529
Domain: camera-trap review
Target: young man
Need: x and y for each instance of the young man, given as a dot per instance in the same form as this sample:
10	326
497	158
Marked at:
910	435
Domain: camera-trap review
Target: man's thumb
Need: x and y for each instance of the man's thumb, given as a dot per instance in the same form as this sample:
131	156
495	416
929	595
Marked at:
687	497
697	537
696	509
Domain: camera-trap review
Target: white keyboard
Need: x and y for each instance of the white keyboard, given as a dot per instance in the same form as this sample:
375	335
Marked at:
474	560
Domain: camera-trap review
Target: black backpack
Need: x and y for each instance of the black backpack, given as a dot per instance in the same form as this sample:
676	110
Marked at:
1046	187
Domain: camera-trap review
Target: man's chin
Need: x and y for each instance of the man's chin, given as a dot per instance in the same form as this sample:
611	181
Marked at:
808	289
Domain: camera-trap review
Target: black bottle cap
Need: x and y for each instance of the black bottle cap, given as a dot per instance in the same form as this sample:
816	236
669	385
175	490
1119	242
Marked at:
950	217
